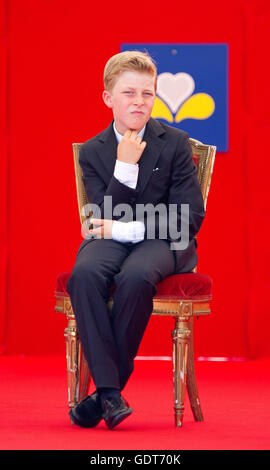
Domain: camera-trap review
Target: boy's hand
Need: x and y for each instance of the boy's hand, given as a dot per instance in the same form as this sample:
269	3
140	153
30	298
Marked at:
130	148
104	230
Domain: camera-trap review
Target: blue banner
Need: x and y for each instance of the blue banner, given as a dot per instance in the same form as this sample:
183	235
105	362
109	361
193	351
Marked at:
192	90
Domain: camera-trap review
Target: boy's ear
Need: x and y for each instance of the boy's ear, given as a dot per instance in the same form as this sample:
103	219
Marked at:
107	98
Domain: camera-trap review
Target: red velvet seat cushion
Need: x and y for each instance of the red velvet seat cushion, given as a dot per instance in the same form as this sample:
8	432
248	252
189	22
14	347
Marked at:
184	286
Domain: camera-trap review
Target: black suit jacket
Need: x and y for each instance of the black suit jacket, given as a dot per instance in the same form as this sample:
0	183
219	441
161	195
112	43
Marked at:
173	181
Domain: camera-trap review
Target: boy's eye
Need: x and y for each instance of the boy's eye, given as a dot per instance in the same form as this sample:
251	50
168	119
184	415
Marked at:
132	93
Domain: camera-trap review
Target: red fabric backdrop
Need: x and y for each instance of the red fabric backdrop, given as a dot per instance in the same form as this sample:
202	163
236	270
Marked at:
3	175
55	54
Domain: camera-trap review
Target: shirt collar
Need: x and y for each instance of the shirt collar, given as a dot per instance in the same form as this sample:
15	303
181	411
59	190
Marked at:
119	136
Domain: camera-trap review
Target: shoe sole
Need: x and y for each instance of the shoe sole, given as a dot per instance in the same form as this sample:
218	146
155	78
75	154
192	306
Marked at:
118	418
83	423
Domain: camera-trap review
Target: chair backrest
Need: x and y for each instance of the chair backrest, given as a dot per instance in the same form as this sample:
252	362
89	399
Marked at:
203	156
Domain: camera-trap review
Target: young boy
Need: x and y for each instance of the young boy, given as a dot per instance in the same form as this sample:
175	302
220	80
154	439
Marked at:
139	162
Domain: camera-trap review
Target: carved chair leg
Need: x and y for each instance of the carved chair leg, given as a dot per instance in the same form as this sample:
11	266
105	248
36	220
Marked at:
180	337
78	376
191	380
84	375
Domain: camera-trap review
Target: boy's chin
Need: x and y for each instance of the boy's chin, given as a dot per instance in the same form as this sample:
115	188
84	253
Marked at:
137	125
134	125
136	128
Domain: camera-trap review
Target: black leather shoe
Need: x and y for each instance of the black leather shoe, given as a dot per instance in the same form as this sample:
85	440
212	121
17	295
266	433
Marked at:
115	411
88	413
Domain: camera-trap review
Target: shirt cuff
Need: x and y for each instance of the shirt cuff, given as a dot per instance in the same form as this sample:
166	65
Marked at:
128	231
126	173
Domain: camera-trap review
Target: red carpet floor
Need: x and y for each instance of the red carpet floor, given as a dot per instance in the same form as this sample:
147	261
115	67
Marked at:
235	399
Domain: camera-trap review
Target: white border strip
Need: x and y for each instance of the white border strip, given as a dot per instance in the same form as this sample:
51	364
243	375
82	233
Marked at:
153	358
199	358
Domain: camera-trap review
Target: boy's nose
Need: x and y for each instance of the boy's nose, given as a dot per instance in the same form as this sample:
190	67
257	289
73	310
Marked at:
138	100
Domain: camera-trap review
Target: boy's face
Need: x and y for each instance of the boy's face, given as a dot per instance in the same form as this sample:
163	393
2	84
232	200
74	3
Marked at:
132	100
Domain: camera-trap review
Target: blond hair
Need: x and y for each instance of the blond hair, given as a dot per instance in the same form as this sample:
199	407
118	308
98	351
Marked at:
128	60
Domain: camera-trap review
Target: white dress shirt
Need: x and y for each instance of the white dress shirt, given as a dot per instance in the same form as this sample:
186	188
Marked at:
127	173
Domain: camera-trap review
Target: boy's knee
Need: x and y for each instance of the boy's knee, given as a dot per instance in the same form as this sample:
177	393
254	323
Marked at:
134	277
83	274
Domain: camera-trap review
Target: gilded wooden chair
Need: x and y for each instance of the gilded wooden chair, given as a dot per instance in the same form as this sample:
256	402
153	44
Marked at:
181	296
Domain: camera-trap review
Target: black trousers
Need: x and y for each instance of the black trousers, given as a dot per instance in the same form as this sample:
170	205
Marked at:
110	341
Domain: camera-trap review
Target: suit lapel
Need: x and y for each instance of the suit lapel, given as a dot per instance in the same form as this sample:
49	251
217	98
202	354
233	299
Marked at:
151	153
107	152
